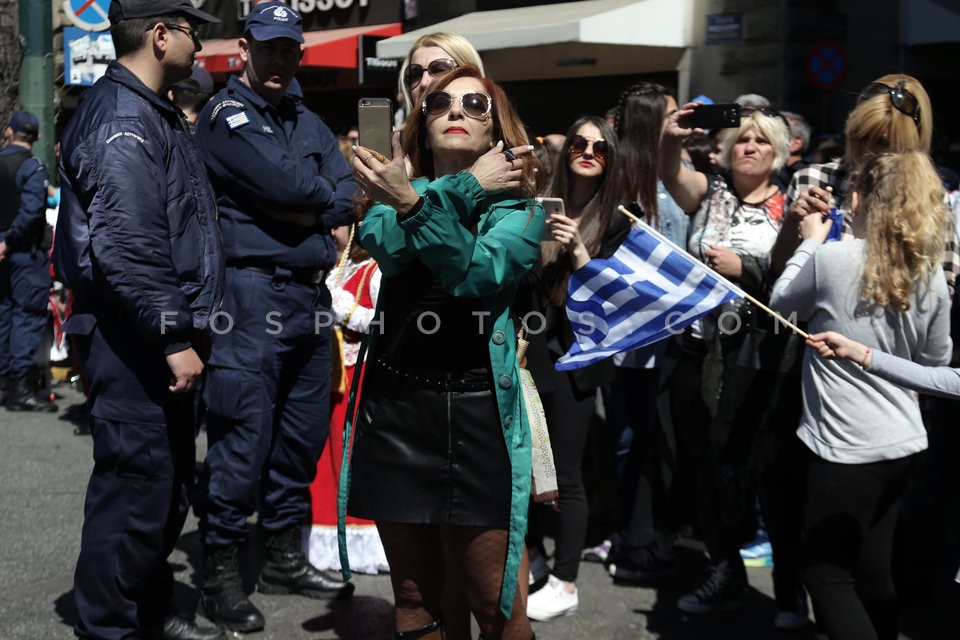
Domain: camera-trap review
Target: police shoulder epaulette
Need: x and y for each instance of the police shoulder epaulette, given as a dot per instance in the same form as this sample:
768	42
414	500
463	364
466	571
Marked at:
40	164
223	105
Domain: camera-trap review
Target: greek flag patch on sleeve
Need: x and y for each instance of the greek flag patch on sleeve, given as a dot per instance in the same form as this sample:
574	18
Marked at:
237	120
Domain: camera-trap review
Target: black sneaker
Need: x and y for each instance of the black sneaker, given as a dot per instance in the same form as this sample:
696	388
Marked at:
724	590
642	564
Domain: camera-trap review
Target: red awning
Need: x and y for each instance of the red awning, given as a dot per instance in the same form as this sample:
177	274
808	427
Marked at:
333	48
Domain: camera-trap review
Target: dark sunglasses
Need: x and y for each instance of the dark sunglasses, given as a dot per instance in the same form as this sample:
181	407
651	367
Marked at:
746	112
578	146
474	104
901	99
414	72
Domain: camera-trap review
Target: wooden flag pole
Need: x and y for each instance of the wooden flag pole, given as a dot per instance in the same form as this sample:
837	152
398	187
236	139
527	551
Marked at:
779	318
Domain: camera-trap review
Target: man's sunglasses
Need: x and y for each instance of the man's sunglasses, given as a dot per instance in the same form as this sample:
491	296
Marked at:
474	104
415	72
746	112
578	146
901	99
193	32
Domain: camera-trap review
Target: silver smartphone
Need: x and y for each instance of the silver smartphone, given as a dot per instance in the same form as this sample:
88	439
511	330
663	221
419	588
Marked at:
375	124
550	206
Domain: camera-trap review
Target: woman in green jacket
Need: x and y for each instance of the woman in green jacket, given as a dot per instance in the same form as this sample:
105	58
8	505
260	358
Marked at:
441	457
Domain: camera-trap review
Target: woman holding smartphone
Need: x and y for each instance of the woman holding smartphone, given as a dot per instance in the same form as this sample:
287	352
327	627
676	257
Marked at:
590	227
441	458
738	369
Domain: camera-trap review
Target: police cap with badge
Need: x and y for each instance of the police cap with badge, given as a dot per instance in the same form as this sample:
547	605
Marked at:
272	20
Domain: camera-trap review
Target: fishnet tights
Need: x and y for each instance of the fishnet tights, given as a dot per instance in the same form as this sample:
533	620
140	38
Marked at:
417	555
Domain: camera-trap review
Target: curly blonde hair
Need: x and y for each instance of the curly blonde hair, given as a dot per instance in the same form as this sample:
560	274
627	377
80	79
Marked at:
907	222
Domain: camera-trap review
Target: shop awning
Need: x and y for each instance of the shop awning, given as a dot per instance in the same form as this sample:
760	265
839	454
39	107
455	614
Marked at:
333	48
594	37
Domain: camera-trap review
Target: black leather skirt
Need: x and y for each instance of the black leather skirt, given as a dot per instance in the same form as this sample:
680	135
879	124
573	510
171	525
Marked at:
429	449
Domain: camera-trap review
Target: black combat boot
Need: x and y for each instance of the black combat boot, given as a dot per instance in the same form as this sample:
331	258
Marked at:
177	627
22	397
222	595
4	389
287	570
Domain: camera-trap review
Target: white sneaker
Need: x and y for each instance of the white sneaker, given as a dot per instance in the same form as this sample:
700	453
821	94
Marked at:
551	601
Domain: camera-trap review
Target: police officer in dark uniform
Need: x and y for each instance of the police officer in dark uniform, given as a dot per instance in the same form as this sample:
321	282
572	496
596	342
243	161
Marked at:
281	186
24	266
137	241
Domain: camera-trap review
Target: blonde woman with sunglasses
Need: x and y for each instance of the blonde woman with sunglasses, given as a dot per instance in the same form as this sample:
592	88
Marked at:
441	457
431	56
893	114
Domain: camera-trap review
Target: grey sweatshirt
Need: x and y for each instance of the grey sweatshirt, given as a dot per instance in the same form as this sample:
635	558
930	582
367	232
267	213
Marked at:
938	381
850	416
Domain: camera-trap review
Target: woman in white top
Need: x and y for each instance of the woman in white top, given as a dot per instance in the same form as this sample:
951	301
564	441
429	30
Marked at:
885	288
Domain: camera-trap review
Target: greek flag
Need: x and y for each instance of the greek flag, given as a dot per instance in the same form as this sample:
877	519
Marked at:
648	290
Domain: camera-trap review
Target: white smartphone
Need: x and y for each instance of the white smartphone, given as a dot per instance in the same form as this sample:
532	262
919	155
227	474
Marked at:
375	124
550	206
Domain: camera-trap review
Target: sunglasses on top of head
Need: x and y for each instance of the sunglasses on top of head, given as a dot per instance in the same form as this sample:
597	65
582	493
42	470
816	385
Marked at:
746	112
414	72
474	104
578	146
901	99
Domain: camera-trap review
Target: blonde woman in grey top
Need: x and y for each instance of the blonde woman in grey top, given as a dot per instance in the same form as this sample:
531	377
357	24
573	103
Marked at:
885	288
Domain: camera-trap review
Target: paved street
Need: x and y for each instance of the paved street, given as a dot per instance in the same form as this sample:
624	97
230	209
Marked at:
44	470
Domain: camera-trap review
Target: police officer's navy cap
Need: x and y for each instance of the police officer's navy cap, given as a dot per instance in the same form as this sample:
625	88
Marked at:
25	122
121	10
199	81
274	20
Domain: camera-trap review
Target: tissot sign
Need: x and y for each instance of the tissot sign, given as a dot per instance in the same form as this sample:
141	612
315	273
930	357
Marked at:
317	15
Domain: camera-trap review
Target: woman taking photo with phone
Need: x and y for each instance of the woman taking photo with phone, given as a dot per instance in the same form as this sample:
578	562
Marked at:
585	178
737	368
441	457
884	288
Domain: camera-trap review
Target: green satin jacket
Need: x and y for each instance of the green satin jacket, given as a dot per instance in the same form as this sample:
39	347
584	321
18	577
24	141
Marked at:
487	265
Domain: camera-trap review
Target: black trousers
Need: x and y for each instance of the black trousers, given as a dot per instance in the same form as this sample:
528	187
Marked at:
850	518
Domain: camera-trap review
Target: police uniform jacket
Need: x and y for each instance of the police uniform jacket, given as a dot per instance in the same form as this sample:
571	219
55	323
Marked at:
23	210
137	229
264	159
485	266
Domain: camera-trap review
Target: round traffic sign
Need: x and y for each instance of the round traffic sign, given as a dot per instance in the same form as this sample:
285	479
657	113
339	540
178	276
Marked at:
827	65
92	15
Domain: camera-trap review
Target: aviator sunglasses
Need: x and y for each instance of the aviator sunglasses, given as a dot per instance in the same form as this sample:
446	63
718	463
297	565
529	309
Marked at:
414	72
901	99
578	146
474	104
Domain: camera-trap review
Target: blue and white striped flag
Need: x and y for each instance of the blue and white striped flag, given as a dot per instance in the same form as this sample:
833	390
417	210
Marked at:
646	291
